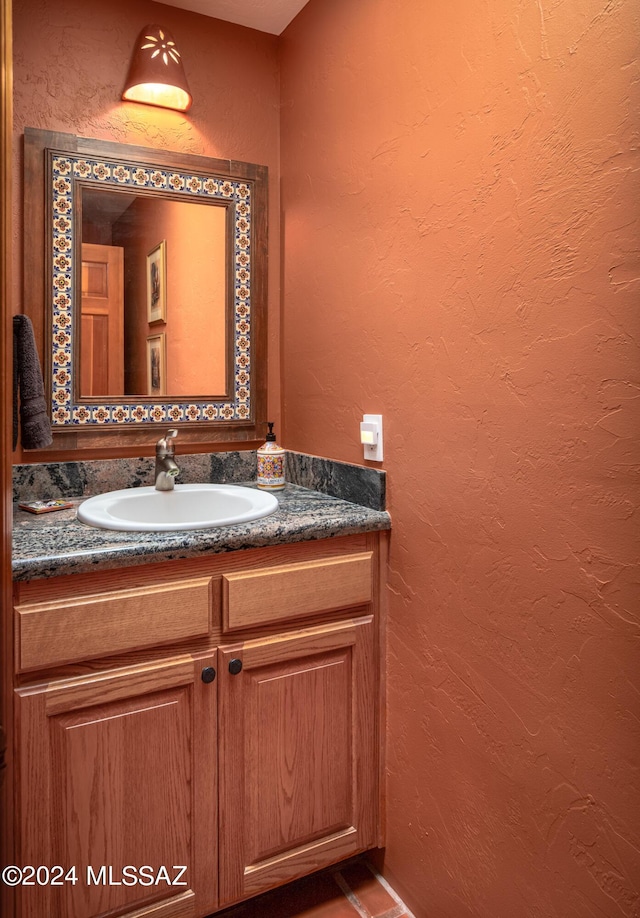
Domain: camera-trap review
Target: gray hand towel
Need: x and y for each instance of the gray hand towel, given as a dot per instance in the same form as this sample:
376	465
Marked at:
35	426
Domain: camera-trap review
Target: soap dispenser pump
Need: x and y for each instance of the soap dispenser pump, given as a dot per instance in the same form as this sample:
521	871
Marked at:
271	463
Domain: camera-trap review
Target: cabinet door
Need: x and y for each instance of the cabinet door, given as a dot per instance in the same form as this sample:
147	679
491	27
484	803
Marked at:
120	772
298	764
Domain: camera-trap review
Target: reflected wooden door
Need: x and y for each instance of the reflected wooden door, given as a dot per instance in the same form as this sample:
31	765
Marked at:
102	325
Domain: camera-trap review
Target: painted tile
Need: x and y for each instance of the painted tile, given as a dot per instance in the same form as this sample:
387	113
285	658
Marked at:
63	169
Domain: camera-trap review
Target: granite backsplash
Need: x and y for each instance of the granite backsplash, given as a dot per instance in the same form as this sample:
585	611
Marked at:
39	481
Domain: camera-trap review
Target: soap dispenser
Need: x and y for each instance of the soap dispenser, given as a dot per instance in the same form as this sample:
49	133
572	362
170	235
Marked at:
271	463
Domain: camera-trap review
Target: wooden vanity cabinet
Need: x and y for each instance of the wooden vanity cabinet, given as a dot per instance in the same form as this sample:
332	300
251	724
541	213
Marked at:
249	755
298	769
117	770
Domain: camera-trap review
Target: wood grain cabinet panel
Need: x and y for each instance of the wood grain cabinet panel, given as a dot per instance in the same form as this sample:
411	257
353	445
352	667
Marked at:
118	774
289	591
298	754
54	632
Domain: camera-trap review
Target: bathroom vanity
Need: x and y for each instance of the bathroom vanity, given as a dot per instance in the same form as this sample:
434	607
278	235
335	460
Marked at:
198	715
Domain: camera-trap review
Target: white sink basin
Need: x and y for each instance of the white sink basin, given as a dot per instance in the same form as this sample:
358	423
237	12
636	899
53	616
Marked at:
188	506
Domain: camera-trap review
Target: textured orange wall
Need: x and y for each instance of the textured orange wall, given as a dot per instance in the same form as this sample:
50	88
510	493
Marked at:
71	58
460	207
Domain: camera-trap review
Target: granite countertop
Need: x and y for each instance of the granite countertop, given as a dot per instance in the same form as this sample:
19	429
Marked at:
53	544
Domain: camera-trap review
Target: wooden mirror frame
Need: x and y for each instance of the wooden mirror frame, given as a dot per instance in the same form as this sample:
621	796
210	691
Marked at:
55	166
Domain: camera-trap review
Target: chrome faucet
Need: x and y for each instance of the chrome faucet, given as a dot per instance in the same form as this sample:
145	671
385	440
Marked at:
166	468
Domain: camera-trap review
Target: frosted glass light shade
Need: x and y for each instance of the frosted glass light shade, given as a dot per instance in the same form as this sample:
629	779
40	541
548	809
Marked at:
156	75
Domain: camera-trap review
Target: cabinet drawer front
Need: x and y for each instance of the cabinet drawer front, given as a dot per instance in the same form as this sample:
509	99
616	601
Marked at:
50	633
296	590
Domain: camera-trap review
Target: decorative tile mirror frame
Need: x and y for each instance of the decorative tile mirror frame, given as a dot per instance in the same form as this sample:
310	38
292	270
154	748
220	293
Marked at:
56	167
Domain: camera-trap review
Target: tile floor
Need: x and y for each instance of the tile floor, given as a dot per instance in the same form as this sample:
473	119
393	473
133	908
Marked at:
350	890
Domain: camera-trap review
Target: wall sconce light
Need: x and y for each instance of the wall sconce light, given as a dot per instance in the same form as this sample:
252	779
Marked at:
156	75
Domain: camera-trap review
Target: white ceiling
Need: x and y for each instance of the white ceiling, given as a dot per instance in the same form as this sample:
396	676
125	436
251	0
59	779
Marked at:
265	15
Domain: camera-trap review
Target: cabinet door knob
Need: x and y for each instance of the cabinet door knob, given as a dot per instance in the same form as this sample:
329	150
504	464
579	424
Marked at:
208	674
235	667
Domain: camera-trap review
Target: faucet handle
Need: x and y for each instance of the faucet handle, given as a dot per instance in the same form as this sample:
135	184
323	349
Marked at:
164	443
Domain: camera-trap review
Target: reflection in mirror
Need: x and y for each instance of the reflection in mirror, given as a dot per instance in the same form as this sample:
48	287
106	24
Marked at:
152	267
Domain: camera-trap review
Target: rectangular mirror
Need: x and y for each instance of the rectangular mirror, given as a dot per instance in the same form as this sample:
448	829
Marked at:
148	290
153	266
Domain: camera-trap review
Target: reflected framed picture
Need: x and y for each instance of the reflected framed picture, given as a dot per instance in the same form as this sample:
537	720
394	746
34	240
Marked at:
157	364
157	283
